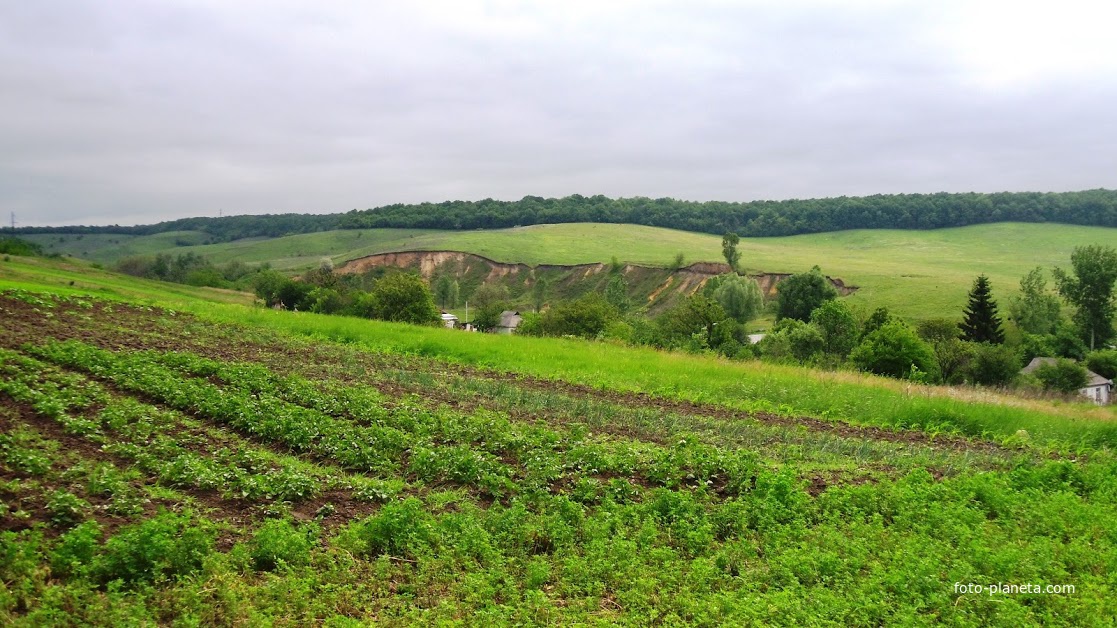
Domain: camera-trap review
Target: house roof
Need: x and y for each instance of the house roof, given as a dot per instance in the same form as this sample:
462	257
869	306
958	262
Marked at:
1092	378
510	319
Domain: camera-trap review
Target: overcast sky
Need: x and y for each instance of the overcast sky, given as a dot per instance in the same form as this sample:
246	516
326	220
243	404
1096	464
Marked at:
135	111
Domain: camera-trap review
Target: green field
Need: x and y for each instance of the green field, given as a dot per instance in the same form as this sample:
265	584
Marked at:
78	277
917	274
222	464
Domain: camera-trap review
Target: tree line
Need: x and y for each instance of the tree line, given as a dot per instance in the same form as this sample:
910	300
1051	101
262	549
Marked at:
747	219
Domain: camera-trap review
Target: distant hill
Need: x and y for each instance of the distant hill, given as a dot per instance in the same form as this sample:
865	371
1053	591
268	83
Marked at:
917	274
752	219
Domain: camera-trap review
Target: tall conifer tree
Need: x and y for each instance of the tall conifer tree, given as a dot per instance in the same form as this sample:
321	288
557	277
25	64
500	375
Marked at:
980	322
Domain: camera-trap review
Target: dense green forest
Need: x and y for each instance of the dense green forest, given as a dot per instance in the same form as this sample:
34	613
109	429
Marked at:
752	219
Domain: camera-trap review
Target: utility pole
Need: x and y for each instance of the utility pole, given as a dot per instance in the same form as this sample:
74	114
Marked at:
13	222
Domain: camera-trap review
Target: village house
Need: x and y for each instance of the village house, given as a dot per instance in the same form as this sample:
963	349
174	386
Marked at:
509	321
449	320
1098	389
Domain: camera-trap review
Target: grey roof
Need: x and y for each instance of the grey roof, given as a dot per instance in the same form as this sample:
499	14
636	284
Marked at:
1092	378
510	319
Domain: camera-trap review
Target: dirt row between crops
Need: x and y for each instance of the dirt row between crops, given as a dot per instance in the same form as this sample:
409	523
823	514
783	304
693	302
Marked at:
124	327
231	511
237	512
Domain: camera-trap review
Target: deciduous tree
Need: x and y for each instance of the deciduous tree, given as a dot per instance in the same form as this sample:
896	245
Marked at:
446	292
838	326
894	350
729	250
1089	287
739	296
616	293
800	294
1035	310
404	298
951	353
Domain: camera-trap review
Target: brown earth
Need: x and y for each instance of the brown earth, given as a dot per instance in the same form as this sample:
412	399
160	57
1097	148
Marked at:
669	283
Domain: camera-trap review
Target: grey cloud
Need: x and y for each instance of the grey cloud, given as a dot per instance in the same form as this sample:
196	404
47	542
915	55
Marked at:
134	112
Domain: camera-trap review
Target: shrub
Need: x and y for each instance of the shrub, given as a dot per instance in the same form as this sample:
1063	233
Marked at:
325	301
1103	362
876	320
19	246
993	365
405	298
838	327
894	350
585	317
806	342
801	294
696	314
399	529
278	544
167	546
531	324
1063	376
618	330
74	550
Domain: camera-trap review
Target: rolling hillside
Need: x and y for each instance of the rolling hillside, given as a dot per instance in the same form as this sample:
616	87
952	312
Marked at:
915	273
236	465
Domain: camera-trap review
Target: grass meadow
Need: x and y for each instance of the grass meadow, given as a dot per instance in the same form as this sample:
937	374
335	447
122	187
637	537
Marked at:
916	274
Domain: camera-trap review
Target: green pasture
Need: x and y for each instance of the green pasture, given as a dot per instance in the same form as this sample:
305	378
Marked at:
78	277
296	252
917	274
108	248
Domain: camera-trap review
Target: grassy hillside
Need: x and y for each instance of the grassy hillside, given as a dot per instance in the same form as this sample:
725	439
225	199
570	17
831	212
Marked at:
108	248
748	386
295	252
78	277
223	465
915	273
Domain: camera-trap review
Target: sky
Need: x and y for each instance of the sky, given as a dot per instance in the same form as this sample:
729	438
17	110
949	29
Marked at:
137	111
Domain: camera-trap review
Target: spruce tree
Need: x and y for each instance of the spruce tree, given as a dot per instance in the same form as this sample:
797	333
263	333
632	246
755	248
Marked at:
980	322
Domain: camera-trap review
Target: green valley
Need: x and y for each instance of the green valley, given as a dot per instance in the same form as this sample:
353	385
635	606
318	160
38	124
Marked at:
889	266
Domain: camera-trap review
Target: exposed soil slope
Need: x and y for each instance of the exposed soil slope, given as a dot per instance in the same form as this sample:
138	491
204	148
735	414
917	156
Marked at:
655	286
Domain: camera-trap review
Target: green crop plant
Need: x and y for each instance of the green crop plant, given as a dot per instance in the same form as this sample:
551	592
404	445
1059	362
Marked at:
280	544
167	546
66	509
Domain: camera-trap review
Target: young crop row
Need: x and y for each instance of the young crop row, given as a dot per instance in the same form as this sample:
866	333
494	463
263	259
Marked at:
572	544
151	438
484	450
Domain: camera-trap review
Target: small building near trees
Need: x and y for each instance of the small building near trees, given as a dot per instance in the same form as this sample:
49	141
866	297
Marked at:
1097	389
509	321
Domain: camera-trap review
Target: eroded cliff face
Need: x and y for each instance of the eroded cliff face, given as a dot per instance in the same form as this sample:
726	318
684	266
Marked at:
654	285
